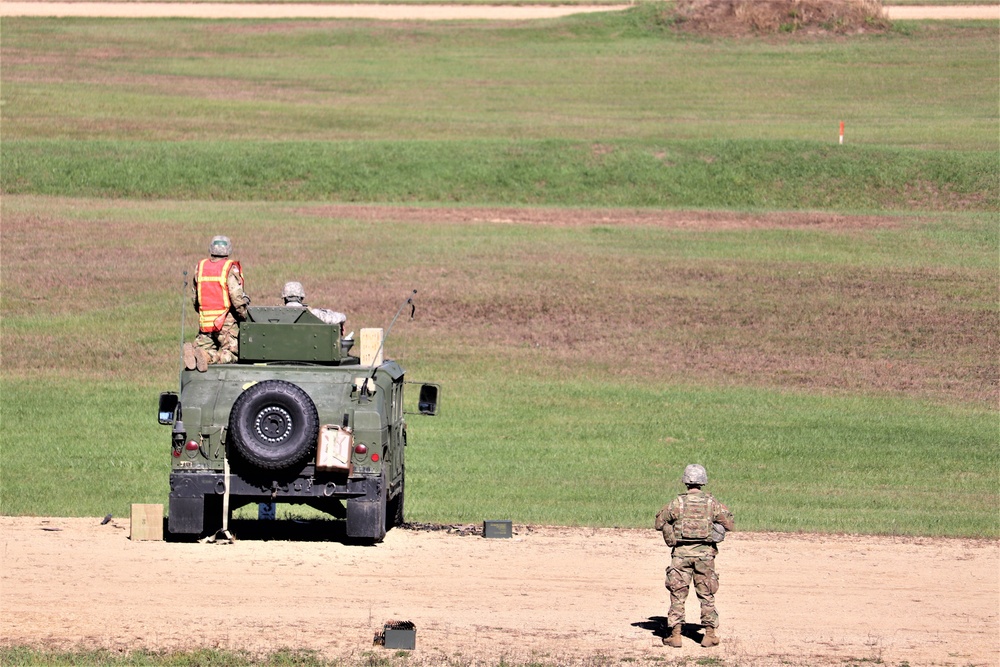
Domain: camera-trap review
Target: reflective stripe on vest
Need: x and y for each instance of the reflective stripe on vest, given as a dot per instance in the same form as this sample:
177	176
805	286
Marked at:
213	294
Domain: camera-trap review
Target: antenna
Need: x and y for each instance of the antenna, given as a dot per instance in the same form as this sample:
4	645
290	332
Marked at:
183	294
413	309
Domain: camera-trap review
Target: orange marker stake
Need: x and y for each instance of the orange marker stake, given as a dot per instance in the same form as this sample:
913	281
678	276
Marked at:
841	133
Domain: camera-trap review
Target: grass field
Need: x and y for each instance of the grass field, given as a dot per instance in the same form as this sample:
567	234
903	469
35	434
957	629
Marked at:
580	362
586	355
598	78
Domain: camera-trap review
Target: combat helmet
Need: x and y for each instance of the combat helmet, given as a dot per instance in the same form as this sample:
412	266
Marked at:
695	474
220	246
293	290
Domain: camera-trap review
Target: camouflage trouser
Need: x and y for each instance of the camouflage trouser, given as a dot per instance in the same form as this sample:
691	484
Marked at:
221	347
694	561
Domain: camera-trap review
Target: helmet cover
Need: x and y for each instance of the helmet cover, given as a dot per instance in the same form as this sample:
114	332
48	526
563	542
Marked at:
294	289
220	246
695	474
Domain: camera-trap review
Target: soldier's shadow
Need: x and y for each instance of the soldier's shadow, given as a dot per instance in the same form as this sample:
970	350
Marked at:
658	626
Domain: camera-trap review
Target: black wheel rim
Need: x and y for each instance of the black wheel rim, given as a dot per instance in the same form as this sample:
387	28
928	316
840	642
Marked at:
273	424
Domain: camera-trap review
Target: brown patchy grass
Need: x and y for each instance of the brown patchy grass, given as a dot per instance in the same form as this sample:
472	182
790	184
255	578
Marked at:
771	17
618	217
106	290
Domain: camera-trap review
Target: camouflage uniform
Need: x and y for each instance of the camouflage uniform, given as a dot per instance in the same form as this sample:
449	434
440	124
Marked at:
293	295
692	560
222	347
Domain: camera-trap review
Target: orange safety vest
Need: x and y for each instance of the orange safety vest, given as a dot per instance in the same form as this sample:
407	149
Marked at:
213	293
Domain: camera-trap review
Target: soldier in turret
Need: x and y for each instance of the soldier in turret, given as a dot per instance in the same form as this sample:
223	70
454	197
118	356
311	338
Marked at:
692	525
221	303
294	295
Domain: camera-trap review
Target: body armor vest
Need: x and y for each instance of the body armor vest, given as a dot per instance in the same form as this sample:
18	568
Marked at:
695	522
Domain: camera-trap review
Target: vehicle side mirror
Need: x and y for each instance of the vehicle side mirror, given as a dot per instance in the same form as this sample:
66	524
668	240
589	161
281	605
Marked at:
168	407
427	402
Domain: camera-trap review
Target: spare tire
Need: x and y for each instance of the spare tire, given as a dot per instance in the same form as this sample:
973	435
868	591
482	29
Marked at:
274	425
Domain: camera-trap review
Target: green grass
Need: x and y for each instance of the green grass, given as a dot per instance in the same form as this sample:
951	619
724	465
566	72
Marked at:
27	657
595	453
19	656
583	367
79	448
834	373
678	174
600	110
593	78
571	452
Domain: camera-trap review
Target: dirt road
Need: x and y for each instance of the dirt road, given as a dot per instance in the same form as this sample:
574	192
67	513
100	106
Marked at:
562	595
210	10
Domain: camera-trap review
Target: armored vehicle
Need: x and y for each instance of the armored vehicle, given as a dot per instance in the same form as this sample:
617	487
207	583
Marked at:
296	420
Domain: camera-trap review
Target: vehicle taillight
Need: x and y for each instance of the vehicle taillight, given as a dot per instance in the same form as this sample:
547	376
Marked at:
191	446
374	458
360	449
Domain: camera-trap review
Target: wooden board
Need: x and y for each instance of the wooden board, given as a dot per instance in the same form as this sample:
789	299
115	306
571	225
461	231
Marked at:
147	522
371	347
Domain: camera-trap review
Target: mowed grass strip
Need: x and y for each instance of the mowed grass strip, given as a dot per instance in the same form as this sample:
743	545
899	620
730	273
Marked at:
792	175
834	373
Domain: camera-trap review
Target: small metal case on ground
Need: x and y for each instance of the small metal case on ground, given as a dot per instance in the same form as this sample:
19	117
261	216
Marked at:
497	529
400	634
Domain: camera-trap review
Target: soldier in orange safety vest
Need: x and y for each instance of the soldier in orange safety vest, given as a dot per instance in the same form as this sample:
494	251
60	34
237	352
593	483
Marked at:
221	304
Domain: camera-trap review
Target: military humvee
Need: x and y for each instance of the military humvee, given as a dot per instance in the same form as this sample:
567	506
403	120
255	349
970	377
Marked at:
296	420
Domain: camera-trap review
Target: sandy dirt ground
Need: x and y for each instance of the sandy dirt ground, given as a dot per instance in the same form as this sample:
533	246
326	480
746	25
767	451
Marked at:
394	12
568	596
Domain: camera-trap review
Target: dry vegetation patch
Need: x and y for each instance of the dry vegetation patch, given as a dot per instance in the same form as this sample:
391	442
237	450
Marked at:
919	331
743	17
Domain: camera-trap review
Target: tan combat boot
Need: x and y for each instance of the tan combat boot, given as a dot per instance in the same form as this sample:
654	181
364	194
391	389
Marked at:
190	359
674	639
201	359
710	638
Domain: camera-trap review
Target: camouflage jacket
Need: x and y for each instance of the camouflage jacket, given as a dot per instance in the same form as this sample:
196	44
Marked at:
674	512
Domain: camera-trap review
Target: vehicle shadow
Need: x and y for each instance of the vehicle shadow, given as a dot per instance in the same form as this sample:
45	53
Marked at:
280	530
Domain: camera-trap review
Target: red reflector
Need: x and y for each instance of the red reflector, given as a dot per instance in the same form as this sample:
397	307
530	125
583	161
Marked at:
360	449
191	446
177	452
374	457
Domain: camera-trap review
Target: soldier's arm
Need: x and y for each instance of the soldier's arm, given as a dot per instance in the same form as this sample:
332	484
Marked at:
237	296
194	288
724	516
668	514
661	518
329	316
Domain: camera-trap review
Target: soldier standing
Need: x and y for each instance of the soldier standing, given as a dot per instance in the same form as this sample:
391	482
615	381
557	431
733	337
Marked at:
692	524
221	303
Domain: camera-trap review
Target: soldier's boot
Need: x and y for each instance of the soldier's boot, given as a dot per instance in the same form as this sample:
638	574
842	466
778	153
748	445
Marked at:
190	358
674	639
710	638
201	359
